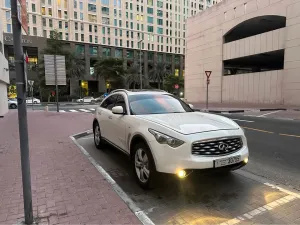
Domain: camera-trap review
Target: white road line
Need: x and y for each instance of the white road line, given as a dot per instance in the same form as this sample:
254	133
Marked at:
84	110
62	110
269	113
73	110
92	109
248	121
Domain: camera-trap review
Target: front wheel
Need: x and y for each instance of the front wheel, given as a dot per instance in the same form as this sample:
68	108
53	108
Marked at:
13	106
143	166
35	102
97	136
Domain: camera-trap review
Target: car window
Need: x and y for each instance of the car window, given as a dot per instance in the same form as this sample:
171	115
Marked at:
156	104
121	102
109	102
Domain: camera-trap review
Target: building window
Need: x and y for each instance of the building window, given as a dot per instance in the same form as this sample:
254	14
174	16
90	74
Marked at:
105	20
92	18
81	5
79	49
92	8
50	23
149	10
7	4
33	8
150	19
45	33
118	53
59	24
159	13
75	4
150	2
43	10
93	50
76	36
106	52
50	11
67	36
160	30
160	21
105	2
75	15
34	31
59	13
91	38
161	4
108	41
129	54
96	39
8	28
150	29
82	37
34	19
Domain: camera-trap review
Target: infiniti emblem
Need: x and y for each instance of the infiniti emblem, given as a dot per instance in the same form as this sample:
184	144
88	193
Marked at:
223	146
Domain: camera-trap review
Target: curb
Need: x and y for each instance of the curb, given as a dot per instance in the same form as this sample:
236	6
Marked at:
240	110
145	220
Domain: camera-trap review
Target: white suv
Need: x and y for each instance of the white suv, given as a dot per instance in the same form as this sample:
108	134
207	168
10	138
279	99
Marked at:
161	133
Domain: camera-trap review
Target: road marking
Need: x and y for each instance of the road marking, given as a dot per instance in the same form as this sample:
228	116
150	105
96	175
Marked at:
290	135
269	113
92	109
140	214
73	110
265	131
84	110
248	121
62	110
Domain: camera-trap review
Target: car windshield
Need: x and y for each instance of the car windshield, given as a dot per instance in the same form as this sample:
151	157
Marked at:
142	104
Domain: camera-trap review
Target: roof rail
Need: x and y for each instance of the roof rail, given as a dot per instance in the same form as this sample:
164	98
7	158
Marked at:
118	90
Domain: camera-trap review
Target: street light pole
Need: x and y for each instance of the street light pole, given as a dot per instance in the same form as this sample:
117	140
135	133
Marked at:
21	84
141	77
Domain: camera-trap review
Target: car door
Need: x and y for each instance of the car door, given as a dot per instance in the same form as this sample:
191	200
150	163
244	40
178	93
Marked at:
104	115
118	123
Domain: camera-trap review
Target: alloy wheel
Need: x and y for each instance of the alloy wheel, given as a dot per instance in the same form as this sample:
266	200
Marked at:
97	135
142	165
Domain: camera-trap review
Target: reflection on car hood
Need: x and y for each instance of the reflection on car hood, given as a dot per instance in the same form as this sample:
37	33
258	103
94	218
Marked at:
191	122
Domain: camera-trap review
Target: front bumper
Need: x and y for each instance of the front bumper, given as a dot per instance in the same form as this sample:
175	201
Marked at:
170	160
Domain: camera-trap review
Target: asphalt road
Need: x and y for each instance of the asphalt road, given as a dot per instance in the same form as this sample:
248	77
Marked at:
274	148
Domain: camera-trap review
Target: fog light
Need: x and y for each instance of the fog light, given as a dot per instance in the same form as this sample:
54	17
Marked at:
246	160
181	174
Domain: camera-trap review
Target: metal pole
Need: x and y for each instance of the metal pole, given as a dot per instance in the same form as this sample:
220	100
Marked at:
141	77
22	113
56	86
31	88
206	93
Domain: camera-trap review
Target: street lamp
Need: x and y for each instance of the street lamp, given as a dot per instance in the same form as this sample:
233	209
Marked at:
141	78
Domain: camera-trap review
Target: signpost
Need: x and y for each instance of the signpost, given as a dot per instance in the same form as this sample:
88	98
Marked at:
207	73
30	82
55	72
21	84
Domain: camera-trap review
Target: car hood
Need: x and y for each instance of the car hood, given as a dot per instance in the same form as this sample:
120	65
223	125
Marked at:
191	122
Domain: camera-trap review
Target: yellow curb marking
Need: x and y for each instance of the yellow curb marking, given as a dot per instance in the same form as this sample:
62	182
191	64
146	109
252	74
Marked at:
265	131
290	135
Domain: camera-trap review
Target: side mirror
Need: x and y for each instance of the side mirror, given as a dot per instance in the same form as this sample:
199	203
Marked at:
191	106
118	110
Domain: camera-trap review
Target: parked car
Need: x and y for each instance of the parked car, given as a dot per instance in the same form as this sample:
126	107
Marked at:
163	134
98	100
29	100
87	99
12	103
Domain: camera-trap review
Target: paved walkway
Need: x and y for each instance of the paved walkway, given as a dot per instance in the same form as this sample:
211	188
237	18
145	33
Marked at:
66	188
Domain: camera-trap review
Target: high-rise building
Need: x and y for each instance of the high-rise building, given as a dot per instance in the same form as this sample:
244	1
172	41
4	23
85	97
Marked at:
118	28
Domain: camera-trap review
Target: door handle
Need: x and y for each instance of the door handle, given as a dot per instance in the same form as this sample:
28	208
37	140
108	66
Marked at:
110	117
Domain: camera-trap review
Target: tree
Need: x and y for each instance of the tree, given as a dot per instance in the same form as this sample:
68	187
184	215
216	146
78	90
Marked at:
132	76
171	81
75	66
110	69
158	73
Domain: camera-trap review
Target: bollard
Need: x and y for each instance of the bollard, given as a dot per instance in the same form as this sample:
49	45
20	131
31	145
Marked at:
46	108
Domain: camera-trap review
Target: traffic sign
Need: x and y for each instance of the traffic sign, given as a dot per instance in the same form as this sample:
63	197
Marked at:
207	73
30	82
176	86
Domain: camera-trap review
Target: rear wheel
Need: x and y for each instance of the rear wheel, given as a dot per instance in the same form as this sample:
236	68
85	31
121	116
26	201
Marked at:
13	106
143	166
97	136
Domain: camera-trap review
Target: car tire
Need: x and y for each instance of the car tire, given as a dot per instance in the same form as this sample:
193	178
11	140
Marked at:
142	161
97	135
35	102
13	106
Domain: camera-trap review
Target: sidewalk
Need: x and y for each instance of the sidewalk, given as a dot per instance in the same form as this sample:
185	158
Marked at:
66	187
241	107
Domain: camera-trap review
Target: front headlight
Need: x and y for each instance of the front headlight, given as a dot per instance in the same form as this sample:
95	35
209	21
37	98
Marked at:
165	139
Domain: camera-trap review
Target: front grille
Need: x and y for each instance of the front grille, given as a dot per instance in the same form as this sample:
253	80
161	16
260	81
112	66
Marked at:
213	147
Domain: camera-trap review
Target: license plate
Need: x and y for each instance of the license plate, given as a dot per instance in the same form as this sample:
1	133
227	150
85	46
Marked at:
227	161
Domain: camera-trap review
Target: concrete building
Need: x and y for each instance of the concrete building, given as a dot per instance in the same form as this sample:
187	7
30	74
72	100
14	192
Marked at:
252	48
4	77
109	28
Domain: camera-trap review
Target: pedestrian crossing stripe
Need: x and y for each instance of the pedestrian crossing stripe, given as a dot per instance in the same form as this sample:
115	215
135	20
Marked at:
78	110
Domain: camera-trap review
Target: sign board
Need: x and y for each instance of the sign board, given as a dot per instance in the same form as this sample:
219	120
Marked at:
22	15
50	70
30	82
176	86
207	73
